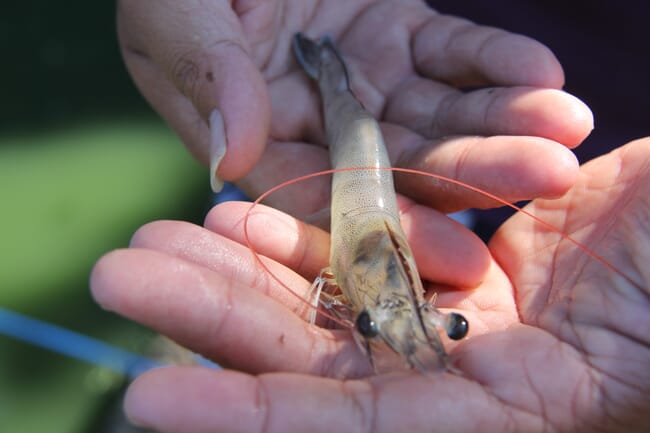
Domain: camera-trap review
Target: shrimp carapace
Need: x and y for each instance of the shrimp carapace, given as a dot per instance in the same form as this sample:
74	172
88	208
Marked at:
370	260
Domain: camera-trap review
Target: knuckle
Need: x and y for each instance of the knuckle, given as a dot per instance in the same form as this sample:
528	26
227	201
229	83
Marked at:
185	73
194	68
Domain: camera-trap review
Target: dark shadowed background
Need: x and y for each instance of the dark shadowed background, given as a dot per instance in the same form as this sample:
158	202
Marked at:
604	48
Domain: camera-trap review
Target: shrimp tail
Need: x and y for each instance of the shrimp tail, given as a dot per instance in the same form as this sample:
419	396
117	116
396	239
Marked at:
321	60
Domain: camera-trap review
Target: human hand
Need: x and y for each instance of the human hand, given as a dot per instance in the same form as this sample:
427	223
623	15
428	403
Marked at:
557	341
408	66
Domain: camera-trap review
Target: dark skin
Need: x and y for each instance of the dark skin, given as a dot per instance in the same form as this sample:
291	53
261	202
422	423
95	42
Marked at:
557	340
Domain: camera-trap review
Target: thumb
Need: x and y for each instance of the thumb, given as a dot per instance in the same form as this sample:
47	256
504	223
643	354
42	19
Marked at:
192	62
235	101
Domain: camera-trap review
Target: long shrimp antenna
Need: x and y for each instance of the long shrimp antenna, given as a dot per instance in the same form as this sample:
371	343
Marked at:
538	220
263	265
535	218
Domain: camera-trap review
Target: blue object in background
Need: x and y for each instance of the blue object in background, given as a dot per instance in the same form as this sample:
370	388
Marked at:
229	193
73	344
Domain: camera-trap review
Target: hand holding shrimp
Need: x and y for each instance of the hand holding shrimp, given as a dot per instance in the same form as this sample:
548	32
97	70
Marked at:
422	74
565	347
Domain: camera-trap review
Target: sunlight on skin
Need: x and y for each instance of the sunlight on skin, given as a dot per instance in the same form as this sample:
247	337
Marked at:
245	68
543	367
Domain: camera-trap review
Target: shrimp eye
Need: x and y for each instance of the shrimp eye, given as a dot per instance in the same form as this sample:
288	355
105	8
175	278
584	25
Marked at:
457	326
365	325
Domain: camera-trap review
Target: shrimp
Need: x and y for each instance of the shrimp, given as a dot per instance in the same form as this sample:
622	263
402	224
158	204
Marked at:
371	262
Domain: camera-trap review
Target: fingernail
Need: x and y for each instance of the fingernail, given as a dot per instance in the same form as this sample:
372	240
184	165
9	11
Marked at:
217	148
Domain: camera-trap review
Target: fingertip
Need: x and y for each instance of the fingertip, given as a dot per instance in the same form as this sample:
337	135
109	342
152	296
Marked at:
476	258
155	234
228	97
543	168
101	276
243	101
547	169
148	401
561	174
227	217
548	113
521	60
576	123
446	251
137	404
192	399
142	233
470	257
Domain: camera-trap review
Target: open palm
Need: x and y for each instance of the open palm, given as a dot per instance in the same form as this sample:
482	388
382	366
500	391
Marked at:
423	75
557	342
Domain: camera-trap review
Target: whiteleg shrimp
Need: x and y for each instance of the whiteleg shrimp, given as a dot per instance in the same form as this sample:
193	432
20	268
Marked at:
381	294
371	262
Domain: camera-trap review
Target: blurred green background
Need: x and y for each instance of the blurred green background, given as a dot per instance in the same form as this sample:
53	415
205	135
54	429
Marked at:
83	163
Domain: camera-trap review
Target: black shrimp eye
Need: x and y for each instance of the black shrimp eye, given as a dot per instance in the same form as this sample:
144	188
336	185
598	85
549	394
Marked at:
366	326
457	326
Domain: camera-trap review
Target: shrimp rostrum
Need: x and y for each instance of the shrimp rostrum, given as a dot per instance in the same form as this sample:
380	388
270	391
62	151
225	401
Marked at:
371	262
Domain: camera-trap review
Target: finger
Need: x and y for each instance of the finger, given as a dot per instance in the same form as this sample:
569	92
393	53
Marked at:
513	168
221	319
273	234
488	308
205	57
436	110
296	103
444	250
177	110
232	260
205	400
296	109
282	162
605	212
459	52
